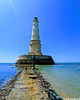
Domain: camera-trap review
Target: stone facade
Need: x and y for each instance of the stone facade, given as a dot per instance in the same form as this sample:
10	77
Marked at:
35	46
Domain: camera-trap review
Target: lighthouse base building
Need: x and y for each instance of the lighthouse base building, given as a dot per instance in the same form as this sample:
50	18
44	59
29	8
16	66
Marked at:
35	49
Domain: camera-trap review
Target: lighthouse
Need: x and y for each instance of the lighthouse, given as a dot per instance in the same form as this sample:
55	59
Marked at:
35	43
35	48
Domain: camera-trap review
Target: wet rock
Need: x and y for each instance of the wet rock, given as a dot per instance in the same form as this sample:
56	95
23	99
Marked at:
42	98
33	77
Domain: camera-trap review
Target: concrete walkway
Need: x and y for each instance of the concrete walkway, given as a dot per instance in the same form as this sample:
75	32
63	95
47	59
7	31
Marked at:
28	87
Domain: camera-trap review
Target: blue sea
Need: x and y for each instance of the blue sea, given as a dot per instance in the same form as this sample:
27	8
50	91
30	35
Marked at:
7	71
63	77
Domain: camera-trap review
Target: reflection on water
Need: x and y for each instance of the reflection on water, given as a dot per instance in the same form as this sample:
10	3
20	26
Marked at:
64	78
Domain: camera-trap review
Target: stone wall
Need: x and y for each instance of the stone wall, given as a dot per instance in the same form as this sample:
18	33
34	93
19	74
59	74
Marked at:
39	59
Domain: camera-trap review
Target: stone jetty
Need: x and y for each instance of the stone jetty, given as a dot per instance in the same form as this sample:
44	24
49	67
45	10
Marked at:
30	86
27	87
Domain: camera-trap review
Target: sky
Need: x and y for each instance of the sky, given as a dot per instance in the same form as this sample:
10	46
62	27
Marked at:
59	28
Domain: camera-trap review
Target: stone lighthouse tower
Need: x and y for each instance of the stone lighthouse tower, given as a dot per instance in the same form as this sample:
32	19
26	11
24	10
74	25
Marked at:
35	46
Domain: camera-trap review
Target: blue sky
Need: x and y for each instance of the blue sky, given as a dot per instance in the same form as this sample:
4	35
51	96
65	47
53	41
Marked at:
59	27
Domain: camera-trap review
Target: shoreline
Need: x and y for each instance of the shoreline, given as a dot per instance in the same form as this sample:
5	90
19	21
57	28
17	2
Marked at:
61	94
46	87
51	93
7	88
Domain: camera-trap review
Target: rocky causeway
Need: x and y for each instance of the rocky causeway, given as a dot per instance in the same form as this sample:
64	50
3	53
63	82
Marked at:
30	86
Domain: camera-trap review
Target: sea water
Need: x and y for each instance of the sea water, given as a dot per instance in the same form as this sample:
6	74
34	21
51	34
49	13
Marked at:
63	77
7	71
